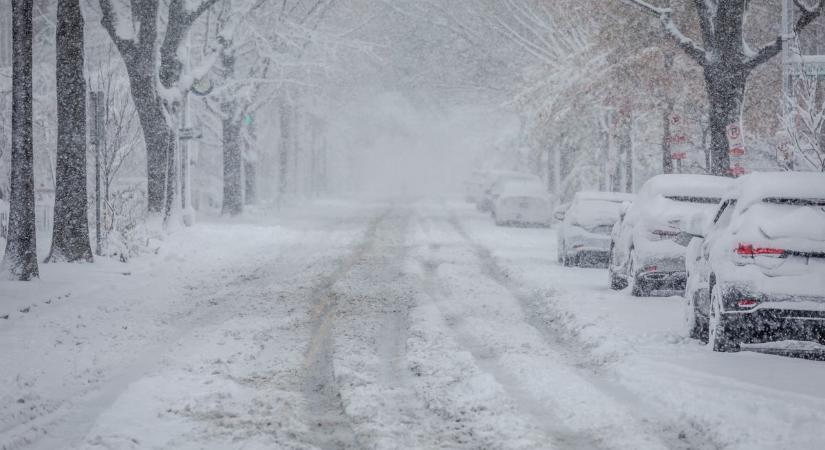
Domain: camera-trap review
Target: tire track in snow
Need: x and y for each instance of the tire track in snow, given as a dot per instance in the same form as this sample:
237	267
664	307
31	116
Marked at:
331	427
675	433
375	299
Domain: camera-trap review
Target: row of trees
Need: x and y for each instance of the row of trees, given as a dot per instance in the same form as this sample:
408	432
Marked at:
601	82
257	56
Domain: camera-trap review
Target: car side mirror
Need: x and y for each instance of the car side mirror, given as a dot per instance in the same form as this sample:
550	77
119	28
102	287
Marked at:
696	225
684	238
625	208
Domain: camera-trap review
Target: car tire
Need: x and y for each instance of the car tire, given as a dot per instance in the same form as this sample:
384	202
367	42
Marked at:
638	288
617	283
720	337
697	327
821	338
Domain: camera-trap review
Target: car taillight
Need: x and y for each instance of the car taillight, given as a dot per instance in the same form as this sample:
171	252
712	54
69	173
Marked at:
747	303
750	250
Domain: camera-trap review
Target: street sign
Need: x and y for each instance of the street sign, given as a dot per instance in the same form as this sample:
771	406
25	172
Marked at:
736	143
202	86
190	133
737	170
678	156
677	139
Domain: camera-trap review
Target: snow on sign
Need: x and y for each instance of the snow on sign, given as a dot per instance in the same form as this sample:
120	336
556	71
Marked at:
736	143
190	133
737	170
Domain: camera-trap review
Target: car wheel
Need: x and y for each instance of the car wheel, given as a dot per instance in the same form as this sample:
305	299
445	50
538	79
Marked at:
638	288
821	337
617	283
698	327
721	337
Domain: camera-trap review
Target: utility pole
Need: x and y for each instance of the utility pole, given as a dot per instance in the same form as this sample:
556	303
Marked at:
97	129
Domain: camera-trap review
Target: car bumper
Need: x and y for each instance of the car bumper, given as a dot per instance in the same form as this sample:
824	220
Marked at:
589	251
774	316
663	273
522	217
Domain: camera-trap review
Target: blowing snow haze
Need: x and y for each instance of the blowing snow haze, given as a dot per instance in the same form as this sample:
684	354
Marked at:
412	224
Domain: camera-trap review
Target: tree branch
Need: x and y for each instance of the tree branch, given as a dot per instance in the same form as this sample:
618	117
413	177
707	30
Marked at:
109	22
202	8
665	15
706	25
809	14
765	54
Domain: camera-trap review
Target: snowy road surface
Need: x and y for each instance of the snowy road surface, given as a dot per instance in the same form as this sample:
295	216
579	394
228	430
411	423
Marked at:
376	325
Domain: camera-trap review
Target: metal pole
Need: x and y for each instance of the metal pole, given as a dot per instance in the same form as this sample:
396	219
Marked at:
96	100
184	147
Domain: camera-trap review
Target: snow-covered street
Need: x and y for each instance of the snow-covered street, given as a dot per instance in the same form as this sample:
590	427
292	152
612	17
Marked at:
383	324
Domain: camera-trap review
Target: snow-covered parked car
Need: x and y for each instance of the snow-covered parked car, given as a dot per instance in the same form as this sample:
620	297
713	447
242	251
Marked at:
757	268
523	203
584	235
643	250
498	182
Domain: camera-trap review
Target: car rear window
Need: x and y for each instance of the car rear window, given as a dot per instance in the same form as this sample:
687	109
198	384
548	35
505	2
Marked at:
795	201
692	199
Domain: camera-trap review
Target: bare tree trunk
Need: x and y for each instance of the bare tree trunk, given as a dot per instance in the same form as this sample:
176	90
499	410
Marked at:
283	151
726	90
140	56
70	235
625	150
250	183
20	259
232	183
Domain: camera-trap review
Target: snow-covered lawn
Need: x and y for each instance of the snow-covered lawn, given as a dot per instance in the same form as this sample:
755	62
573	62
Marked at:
376	325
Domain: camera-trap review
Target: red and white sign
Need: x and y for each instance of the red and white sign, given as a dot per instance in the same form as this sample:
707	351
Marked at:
736	148
737	170
678	138
736	143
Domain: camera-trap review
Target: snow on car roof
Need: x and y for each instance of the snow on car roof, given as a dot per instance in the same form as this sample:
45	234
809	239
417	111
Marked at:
757	186
686	185
524	189
607	196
